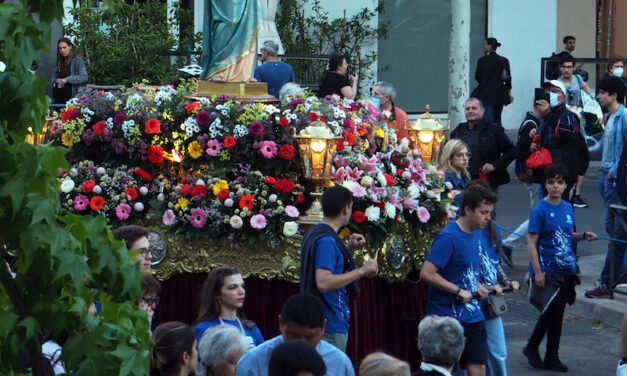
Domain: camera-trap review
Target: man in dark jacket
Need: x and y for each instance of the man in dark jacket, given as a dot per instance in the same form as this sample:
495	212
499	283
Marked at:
491	151
495	81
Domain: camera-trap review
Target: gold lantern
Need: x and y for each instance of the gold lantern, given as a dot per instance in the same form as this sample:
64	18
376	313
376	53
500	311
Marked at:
39	138
317	146
427	133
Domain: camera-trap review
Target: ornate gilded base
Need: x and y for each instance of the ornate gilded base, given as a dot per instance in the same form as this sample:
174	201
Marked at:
240	91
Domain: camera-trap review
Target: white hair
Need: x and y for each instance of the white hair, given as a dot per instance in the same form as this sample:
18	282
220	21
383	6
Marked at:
217	345
441	340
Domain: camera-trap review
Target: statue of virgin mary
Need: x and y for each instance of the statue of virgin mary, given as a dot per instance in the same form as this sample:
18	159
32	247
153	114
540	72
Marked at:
230	30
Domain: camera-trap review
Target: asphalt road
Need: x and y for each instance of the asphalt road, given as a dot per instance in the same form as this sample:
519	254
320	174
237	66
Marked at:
587	348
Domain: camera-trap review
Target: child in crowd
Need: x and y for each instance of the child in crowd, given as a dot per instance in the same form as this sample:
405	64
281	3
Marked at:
552	267
454	161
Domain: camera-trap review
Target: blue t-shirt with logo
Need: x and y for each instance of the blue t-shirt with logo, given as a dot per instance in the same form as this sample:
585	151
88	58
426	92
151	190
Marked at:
337	312
490	257
554	225
253	335
457	255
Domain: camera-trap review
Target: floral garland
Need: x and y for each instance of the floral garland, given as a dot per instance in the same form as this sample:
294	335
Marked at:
215	167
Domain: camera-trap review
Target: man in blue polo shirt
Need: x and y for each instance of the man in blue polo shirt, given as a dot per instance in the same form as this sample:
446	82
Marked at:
273	71
453	270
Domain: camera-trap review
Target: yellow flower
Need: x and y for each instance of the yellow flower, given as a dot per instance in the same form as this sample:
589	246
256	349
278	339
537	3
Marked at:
181	203
195	150
217	187
380	133
166	116
328	184
67	139
345	233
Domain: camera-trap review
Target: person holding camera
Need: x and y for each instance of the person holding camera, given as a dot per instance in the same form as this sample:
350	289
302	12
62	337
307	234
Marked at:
334	80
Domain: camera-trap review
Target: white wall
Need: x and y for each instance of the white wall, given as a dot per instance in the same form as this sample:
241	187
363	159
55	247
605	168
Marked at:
527	31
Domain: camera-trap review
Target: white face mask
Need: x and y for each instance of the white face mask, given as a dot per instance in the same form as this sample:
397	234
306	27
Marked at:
553	99
617	72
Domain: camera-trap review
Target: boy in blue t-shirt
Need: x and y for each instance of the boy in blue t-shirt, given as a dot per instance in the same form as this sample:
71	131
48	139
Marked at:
453	270
552	267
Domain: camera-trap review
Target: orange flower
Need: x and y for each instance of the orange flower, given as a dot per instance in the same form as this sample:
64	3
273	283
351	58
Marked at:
362	130
246	201
153	126
192	107
96	203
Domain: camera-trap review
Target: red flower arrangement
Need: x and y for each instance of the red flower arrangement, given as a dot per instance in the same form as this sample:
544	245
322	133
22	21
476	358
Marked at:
153	126
99	127
284	121
155	154
131	193
190	108
199	190
88	185
359	216
247	201
284	185
96	203
229	142
143	174
287	152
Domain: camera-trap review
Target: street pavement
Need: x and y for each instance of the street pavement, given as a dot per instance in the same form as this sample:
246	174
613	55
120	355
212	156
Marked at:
590	342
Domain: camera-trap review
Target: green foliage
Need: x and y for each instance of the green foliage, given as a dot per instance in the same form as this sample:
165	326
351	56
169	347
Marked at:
62	261
317	33
123	43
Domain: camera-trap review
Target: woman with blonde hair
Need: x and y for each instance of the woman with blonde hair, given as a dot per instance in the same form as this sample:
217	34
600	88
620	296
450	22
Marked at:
454	161
380	364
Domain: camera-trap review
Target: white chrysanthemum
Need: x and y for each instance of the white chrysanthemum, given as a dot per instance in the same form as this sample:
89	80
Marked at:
413	190
290	228
373	213
236	221
270	109
390	210
189	126
67	185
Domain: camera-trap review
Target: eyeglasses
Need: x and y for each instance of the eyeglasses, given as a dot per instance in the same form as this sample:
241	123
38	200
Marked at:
151	301
145	253
461	155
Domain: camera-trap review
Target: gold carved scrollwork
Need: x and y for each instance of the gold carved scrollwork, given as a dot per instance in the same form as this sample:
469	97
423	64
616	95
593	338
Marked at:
398	255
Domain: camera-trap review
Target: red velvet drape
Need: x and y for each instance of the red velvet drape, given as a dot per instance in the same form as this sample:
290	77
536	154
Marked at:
384	316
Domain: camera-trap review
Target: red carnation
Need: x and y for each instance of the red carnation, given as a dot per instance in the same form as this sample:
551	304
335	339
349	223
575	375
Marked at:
287	152
131	193
199	190
223	194
96	203
284	185
350	138
185	190
142	174
284	121
362	131
99	127
191	107
229	142
89	185
399	172
313	116
300	198
153	126
389	179
359	216
270	180
340	145
155	154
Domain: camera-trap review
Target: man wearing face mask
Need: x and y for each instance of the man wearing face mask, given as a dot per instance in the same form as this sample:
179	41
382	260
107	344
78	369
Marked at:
560	132
615	68
384	95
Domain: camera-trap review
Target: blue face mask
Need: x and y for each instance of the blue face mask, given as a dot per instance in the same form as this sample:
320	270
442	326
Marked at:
376	101
553	99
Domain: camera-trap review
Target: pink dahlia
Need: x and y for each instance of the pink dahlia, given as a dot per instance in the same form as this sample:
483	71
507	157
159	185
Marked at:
291	211
122	211
268	149
213	147
198	218
258	221
169	218
81	202
423	214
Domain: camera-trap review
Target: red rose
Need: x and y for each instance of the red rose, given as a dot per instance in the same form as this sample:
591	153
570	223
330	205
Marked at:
300	198
389	179
270	180
350	138
142	174
362	131
284	185
229	142
287	152
199	190
155	154
399	172
223	194
96	203
185	190
313	116
191	107
99	127
340	145
88	185
131	193
359	216
153	126
284	121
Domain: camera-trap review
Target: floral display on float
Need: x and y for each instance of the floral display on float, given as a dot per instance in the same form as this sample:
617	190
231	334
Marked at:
215	167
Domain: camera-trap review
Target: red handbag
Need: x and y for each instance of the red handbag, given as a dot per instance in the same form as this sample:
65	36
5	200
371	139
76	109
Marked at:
539	159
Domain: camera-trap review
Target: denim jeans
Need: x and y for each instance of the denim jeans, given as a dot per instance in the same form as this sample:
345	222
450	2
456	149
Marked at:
493	113
497	350
608	193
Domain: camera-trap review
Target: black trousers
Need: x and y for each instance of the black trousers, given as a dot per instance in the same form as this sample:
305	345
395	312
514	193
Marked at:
550	322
